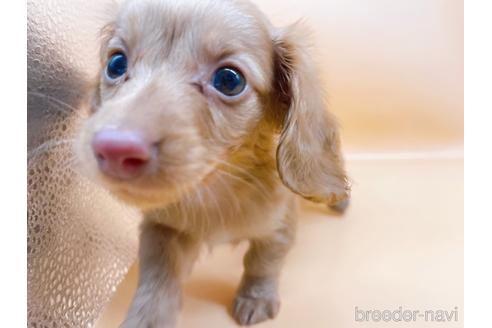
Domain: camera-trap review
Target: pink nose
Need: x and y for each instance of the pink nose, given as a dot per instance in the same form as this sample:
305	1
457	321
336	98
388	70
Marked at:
122	155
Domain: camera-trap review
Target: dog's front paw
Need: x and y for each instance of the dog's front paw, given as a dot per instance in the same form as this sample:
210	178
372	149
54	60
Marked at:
250	310
150	318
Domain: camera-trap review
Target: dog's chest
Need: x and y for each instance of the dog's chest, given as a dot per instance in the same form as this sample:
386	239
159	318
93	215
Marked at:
229	214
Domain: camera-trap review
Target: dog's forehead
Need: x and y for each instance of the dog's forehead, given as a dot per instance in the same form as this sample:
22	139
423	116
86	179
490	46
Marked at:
211	28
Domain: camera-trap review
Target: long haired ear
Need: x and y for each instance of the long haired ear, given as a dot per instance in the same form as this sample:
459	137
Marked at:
309	160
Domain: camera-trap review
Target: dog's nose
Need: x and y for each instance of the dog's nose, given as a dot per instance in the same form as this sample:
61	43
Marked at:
121	154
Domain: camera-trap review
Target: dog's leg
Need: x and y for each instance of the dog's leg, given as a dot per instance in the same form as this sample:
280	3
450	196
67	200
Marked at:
166	257
257	298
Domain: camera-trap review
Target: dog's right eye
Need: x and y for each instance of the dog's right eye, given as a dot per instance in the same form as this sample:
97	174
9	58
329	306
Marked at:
117	66
229	81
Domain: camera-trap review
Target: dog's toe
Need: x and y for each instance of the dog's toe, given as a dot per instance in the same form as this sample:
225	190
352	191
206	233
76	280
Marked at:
248	310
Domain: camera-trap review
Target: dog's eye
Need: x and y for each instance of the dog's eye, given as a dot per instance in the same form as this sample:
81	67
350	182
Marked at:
117	65
229	81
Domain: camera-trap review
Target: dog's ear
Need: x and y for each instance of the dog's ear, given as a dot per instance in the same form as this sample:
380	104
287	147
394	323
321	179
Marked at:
309	160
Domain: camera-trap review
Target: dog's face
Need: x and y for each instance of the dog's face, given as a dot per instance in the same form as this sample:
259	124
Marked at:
182	85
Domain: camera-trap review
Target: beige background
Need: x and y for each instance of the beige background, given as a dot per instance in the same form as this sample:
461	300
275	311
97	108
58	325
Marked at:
393	69
394	73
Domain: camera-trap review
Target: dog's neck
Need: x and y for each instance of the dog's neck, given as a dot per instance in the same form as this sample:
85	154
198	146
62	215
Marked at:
237	186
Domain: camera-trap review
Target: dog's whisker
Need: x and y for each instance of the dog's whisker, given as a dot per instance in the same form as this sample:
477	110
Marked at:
230	190
256	183
64	108
245	182
48	146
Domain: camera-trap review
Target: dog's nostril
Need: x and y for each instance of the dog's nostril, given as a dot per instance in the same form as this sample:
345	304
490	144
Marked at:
134	162
100	157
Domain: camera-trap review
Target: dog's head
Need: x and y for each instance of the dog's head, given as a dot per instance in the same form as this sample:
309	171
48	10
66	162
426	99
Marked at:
183	84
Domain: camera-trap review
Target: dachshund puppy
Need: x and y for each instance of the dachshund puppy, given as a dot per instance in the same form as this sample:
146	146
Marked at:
210	120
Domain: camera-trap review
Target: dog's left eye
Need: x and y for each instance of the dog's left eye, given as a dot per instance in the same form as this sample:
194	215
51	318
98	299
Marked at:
117	66
229	81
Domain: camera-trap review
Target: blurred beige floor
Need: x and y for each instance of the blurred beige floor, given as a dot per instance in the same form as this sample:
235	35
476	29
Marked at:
399	244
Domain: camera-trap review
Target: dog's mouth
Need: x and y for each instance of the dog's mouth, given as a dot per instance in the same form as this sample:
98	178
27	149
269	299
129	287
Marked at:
144	199
148	192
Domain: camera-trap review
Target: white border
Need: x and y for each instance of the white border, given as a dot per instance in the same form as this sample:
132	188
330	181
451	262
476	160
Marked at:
478	163
13	142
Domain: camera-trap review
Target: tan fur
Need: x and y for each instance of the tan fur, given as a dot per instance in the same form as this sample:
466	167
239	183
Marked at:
224	167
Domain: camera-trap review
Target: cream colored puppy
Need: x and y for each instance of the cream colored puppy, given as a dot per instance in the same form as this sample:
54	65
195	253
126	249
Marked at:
210	120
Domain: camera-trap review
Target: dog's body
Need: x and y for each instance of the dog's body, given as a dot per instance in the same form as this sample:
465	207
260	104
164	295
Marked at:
206	166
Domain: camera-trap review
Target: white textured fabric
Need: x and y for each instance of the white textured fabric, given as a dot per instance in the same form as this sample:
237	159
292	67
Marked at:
80	240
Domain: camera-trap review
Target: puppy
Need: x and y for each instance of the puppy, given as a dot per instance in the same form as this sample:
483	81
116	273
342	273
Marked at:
209	120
